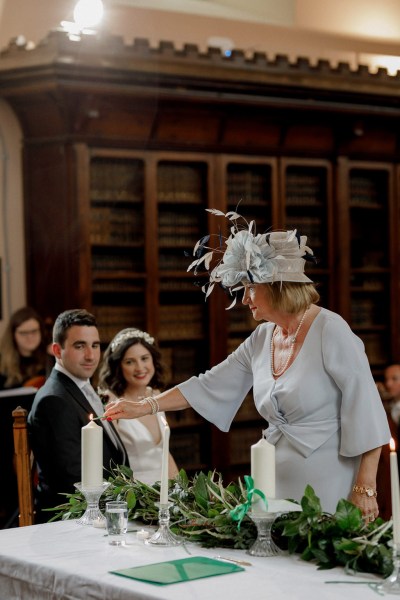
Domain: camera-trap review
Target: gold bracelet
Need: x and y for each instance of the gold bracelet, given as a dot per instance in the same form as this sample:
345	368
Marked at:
368	491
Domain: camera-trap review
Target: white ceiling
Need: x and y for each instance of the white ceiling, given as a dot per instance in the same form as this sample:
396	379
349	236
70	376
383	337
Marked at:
277	12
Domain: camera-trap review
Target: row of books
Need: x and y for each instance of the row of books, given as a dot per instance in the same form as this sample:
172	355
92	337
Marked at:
132	261
306	189
179	322
183	362
186	220
366	312
368	283
365	255
177	285
249	185
123	286
117	179
312	227
115	215
174	262
368	191
181	183
376	348
178	240
240	320
110	195
111	319
110	225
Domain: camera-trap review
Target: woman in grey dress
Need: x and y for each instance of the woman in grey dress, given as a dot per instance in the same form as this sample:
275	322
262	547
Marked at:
310	375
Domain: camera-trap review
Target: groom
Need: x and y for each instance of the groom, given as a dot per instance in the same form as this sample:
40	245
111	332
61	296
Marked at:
62	407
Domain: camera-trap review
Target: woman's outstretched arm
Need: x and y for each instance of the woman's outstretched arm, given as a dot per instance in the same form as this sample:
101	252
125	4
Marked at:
120	408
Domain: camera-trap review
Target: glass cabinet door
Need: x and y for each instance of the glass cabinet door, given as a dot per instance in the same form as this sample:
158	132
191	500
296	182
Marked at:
116	239
306	189
182	196
367	194
250	190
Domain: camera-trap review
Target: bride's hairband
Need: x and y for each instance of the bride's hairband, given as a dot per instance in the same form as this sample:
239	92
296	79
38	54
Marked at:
127	334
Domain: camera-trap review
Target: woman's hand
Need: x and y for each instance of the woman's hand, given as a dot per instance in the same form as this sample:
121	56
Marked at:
367	505
364	493
125	409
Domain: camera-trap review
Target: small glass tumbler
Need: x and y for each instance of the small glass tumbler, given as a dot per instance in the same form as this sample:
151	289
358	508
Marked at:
117	522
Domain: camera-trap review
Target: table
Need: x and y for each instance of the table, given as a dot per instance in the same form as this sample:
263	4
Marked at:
67	561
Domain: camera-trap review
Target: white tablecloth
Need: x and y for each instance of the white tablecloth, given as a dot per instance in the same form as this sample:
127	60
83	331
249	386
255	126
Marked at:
67	561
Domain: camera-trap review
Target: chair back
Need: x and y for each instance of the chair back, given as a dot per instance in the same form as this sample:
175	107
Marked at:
23	466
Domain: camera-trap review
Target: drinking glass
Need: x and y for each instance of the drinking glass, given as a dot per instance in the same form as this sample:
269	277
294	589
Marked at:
117	522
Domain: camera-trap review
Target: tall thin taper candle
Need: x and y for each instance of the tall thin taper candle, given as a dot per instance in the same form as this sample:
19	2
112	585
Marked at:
395	489
164	465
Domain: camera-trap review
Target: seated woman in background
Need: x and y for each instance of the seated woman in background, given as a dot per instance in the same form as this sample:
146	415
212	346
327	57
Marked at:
132	368
23	356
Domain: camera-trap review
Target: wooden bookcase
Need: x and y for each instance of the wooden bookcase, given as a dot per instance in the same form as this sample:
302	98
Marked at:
125	146
368	263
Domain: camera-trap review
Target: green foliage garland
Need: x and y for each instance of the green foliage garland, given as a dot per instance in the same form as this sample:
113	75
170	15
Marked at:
201	513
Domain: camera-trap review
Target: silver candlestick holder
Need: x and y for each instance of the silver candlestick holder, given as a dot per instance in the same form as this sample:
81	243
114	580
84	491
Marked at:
391	584
264	544
164	536
92	495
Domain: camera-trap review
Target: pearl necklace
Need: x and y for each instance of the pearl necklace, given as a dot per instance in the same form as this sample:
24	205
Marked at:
292	343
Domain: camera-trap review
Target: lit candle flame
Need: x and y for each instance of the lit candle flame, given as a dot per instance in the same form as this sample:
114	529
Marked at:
392	445
91	417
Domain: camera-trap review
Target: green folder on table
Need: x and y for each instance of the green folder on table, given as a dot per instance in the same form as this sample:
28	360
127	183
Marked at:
176	571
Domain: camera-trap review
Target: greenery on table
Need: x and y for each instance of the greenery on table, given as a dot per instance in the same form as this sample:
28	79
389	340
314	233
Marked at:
201	512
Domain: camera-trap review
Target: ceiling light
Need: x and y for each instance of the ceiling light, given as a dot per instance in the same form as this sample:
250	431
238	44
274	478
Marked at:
88	13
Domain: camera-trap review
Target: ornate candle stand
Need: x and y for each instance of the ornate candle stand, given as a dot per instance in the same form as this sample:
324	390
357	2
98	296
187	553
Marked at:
92	496
164	536
264	544
391	585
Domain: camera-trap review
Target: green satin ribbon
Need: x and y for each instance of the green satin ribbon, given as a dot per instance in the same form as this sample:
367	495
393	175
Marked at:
239	512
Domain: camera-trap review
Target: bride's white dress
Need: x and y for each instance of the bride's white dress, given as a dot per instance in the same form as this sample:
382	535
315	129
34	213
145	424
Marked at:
144	454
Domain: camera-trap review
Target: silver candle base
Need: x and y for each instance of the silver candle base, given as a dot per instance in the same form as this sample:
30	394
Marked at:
164	536
391	584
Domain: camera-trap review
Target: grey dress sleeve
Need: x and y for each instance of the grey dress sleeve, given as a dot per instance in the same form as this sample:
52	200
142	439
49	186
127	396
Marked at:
218	393
364	423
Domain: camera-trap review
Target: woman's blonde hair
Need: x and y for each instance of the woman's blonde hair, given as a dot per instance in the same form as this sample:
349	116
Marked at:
291	297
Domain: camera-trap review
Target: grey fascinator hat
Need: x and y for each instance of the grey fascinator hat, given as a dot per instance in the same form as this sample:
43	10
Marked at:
247	257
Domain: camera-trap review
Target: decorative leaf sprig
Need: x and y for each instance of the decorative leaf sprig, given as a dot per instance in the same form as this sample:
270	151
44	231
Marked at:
202	513
205	254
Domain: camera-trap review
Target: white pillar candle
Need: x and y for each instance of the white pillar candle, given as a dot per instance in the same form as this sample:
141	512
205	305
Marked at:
164	464
92	455
263	467
395	489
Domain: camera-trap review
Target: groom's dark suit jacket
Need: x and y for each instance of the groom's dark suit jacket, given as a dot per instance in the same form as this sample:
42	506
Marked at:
59	412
